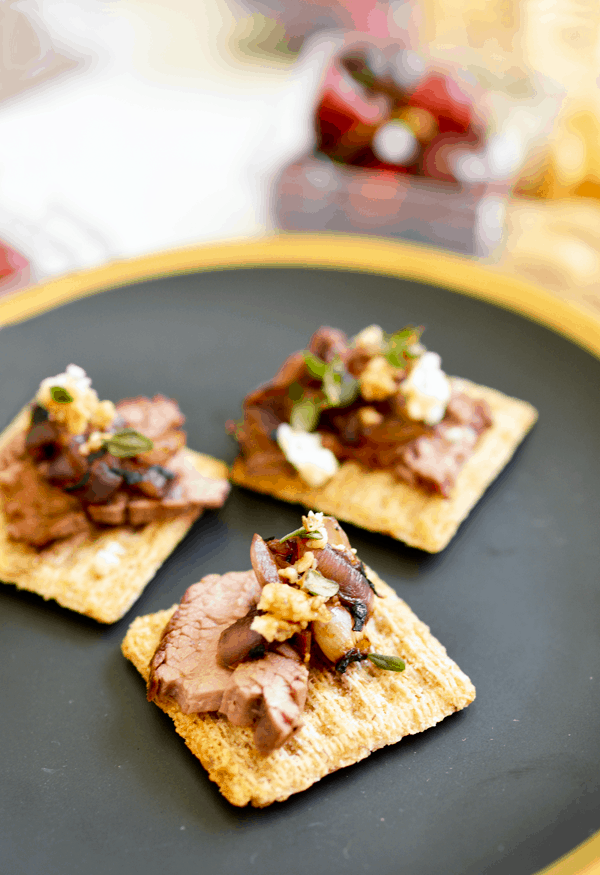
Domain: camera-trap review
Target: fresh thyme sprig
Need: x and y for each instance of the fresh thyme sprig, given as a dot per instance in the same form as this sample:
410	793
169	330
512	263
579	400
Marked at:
389	663
300	533
338	389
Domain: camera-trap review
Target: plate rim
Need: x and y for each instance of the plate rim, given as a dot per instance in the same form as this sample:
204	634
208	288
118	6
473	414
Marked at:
332	251
337	251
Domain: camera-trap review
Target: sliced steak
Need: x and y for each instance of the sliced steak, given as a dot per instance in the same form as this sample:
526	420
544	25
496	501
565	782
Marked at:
270	693
196	488
435	461
36	512
151	416
464	410
184	667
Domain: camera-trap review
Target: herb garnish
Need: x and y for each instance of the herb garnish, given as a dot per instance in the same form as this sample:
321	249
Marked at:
300	533
338	389
127	443
60	395
389	663
316	584
305	414
397	349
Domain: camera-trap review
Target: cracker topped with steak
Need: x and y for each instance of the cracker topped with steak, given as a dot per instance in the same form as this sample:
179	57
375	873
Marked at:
94	496
371	430
279	675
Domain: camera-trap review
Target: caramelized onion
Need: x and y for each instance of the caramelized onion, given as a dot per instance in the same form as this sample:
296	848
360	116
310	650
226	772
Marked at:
262	561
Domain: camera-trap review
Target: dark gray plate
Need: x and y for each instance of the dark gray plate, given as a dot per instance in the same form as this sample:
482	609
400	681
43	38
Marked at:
95	779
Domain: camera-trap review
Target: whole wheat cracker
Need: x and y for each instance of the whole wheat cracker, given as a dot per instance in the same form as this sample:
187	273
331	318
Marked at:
375	500
72	571
345	718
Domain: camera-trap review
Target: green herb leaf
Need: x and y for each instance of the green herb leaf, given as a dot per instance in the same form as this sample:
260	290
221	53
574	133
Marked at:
300	533
349	392
389	663
340	389
332	384
316	366
316	584
305	414
397	349
60	395
127	443
294	534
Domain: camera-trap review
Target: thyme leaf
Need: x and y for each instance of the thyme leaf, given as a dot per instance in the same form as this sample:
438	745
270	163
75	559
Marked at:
397	349
316	584
389	663
127	443
305	414
338	387
316	366
300	533
60	395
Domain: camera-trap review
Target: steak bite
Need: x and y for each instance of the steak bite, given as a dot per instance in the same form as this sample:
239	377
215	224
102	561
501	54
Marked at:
36	512
241	643
185	667
270	694
83	458
376	399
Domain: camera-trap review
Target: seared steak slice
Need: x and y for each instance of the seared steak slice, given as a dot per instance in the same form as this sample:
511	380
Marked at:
185	667
269	692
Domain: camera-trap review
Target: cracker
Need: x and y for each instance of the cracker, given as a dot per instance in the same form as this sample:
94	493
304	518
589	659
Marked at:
375	500
78	572
345	719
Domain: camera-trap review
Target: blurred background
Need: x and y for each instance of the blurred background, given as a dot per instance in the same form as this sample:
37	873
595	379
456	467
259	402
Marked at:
129	127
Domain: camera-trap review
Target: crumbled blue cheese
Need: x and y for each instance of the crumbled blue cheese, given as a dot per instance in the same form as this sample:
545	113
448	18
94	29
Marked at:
371	339
314	523
304	450
427	390
85	409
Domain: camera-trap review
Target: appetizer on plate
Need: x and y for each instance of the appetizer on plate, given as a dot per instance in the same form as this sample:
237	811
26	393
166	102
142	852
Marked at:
371	430
277	676
95	496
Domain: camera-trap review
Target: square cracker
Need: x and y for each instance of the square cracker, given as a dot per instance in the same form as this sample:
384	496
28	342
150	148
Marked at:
78	572
375	500
345	719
